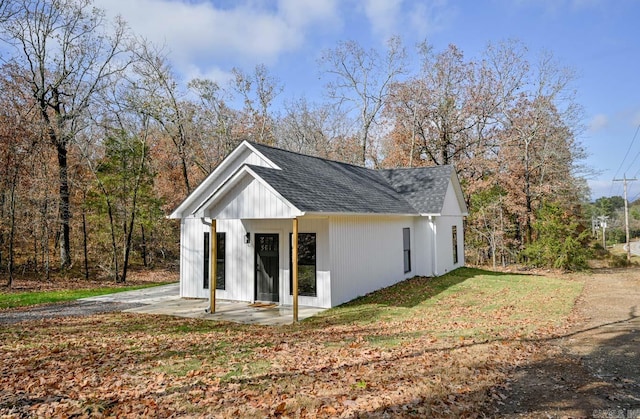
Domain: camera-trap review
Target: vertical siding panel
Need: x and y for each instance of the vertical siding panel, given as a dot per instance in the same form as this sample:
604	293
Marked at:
366	254
421	248
445	243
250	199
192	255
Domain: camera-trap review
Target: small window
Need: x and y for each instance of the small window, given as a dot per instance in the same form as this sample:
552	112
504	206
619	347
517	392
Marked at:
306	264
206	260
220	259
406	245
454	240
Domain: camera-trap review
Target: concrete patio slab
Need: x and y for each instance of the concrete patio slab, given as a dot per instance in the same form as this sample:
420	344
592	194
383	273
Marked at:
165	300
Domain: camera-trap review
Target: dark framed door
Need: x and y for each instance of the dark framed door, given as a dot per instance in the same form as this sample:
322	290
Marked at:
267	262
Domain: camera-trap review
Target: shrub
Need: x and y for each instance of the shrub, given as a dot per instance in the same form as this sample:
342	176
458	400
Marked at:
559	243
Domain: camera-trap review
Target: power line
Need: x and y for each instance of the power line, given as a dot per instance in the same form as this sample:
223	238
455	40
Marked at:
625	157
628	150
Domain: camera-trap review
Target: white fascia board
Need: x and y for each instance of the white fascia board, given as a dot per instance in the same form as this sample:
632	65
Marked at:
272	165
464	211
233	180
360	214
178	212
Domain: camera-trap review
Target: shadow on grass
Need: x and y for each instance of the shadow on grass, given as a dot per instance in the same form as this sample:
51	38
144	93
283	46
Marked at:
403	295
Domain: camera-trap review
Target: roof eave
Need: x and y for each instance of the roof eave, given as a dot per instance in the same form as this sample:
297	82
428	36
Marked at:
361	214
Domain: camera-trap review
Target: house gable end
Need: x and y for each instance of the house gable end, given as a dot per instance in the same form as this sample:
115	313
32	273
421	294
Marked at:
244	153
247	196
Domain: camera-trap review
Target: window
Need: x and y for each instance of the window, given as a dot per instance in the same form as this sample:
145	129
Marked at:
454	239
207	255
406	245
306	264
220	258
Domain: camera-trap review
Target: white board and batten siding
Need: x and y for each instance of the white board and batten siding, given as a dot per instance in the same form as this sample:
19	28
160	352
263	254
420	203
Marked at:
191	258
240	258
249	198
422	246
450	217
367	254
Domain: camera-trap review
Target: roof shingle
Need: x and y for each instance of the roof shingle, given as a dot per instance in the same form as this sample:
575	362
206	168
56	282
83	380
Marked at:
313	184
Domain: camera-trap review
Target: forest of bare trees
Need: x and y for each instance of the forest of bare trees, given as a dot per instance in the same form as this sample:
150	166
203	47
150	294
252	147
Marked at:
100	138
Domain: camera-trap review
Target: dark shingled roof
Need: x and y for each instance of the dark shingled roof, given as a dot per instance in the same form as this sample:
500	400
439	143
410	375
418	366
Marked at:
424	188
313	184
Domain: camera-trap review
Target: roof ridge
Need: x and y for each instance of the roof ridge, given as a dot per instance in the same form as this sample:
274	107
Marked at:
253	143
416	168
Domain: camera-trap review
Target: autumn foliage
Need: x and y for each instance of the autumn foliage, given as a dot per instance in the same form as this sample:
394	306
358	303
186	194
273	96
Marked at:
508	123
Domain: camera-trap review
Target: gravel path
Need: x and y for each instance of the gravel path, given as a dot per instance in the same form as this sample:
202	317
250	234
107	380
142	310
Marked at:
593	371
69	309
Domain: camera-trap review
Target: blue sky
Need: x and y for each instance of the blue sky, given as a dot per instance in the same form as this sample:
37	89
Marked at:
599	39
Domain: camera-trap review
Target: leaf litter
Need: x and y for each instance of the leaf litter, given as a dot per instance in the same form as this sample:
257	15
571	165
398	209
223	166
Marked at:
440	351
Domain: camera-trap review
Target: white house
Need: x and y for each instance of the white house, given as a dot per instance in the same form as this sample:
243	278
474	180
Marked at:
359	229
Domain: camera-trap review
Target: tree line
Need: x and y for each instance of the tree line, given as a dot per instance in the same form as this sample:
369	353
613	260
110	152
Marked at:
100	139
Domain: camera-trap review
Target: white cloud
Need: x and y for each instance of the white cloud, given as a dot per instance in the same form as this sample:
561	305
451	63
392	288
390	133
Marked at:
557	8
598	122
429	17
384	16
420	18
206	36
301	13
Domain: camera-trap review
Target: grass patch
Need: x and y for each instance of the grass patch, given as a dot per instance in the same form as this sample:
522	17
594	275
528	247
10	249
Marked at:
179	368
462	292
24	299
419	346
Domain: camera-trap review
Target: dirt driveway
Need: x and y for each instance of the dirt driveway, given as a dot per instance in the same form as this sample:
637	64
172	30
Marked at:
594	369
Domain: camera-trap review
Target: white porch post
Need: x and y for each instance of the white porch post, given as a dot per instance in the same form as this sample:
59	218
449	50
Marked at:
294	268
213	265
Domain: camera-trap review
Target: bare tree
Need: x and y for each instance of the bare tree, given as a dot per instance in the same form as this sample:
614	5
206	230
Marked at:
360	81
69	54
258	91
218	125
163	101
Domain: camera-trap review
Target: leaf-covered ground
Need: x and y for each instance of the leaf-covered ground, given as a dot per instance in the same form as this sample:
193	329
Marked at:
427	347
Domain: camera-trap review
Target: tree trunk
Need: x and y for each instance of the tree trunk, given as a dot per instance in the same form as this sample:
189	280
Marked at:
527	193
12	230
63	206
129	233
144	247
84	245
114	247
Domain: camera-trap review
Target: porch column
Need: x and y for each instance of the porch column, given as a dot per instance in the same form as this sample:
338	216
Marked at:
213	265
294	268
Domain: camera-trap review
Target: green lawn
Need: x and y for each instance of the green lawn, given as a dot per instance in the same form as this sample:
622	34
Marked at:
23	299
437	347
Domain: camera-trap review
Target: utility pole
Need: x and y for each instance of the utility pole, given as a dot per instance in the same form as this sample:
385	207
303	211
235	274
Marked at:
626	213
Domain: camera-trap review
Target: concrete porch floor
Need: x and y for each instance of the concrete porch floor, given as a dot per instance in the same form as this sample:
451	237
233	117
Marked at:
165	300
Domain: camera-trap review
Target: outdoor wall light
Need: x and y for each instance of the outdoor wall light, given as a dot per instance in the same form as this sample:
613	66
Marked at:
247	238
